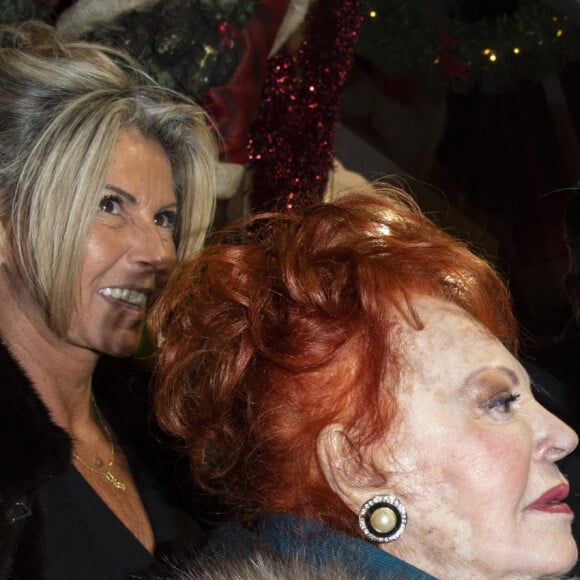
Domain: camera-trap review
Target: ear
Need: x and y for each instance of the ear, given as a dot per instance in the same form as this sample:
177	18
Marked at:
342	466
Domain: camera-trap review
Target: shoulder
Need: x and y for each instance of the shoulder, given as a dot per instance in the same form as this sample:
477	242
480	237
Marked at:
323	546
283	547
33	447
258	562
33	450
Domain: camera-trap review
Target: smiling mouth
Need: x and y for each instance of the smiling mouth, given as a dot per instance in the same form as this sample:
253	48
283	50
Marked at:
133	299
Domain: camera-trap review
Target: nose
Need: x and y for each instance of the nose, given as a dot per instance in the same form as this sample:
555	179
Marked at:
154	248
554	439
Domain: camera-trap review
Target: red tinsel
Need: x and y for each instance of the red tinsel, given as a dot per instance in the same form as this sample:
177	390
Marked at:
291	143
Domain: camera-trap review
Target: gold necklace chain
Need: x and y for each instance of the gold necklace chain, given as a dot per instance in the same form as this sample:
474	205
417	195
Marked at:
106	475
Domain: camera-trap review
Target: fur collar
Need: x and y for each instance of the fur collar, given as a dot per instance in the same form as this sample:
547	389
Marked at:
33	447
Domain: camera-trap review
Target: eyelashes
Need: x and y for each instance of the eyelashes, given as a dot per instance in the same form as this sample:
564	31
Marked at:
113	204
501	403
110	204
165	219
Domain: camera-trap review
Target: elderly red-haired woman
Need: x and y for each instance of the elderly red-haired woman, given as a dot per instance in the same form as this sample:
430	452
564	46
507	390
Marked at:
345	380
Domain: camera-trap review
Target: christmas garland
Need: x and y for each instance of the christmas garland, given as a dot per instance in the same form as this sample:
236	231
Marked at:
488	55
14	11
185	45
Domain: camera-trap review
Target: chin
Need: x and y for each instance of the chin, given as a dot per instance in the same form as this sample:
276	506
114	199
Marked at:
121	348
561	559
125	343
122	353
571	560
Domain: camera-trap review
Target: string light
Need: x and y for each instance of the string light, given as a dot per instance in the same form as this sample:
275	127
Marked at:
490	54
538	36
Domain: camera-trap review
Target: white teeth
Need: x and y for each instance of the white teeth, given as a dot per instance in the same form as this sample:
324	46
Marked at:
131	296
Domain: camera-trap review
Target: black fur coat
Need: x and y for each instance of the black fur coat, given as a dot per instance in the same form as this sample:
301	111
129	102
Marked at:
33	449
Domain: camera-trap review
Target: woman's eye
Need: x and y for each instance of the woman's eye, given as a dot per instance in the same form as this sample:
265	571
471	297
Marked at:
165	219
502	403
110	204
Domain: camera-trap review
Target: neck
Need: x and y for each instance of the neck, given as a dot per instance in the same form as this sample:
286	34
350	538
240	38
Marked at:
59	371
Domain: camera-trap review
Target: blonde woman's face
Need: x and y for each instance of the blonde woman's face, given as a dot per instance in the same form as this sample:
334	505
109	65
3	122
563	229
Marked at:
130	250
474	458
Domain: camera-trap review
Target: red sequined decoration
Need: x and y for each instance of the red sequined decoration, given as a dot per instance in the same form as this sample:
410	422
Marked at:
291	145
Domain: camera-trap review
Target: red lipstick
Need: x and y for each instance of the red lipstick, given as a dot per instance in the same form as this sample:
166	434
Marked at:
552	501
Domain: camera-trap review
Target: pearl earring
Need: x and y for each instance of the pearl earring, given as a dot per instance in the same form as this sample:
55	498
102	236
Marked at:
383	518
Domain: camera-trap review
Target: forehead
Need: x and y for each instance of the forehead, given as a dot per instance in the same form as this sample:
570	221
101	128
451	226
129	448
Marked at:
140	166
452	344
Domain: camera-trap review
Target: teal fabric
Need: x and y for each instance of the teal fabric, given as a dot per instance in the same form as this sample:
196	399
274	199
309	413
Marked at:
317	545
321	546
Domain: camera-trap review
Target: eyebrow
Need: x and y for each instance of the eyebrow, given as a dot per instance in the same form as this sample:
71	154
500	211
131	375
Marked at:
501	369
129	197
133	200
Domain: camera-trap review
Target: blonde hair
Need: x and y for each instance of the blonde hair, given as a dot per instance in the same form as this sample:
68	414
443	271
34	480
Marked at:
62	107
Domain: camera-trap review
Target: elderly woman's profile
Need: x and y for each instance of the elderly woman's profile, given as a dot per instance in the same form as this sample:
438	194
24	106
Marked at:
106	181
344	379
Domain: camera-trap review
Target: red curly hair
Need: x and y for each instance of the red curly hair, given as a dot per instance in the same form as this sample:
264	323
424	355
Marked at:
276	331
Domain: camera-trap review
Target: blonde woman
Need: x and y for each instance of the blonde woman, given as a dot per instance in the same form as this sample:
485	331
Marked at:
106	181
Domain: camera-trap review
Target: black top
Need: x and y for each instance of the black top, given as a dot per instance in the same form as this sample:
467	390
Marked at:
46	507
84	538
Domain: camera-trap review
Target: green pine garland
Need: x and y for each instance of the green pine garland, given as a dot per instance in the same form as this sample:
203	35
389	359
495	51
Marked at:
14	11
487	55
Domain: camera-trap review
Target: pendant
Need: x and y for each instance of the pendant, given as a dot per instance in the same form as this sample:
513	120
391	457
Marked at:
116	483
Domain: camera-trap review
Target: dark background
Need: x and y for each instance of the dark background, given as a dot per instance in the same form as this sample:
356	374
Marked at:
495	168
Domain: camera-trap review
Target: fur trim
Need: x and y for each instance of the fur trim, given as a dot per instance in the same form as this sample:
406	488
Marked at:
33	447
258	564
